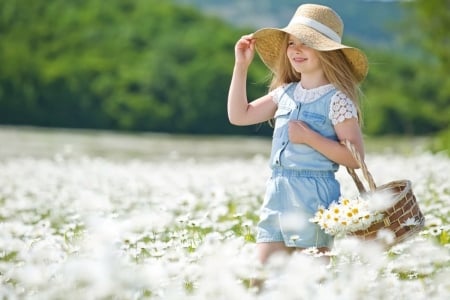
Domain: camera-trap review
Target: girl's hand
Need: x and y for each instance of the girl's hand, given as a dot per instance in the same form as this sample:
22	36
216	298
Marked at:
245	50
299	132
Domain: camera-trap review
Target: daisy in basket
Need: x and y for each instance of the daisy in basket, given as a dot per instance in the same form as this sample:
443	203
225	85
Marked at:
350	215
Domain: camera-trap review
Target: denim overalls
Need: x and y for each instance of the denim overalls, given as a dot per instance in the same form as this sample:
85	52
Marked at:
302	178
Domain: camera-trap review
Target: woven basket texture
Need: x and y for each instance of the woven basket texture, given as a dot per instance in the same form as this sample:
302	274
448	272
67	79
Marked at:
404	218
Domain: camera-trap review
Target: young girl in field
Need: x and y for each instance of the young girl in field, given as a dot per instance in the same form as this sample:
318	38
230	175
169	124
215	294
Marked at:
313	99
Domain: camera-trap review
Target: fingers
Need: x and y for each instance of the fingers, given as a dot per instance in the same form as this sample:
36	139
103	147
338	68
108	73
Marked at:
246	40
293	123
293	126
297	130
244	49
247	37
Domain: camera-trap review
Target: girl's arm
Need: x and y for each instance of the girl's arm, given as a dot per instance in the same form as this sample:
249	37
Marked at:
240	111
299	132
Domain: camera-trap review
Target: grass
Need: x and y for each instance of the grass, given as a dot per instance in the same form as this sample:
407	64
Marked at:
45	142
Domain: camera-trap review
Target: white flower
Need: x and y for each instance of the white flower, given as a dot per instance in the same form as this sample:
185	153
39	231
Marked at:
435	230
346	216
411	222
294	237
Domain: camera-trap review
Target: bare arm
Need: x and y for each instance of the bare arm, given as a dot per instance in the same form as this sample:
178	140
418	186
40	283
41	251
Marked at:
240	111
349	129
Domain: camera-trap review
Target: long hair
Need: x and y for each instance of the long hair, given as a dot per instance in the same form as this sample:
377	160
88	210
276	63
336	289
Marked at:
284	72
337	69
339	72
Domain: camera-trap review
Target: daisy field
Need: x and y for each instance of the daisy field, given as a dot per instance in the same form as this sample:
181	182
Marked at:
156	217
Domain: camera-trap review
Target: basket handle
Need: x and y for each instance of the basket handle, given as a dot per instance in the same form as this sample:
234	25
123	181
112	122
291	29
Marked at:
363	167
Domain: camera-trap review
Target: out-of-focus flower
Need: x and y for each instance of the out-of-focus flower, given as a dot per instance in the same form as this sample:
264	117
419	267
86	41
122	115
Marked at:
435	230
411	222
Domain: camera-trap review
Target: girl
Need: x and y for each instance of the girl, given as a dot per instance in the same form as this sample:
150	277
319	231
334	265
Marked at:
313	98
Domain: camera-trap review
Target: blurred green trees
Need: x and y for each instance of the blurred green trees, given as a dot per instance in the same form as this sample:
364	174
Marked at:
150	65
409	93
429	22
119	64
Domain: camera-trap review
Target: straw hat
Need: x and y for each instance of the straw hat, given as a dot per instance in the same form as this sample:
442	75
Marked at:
318	27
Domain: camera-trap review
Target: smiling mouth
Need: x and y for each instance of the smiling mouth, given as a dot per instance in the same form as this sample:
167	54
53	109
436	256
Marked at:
299	60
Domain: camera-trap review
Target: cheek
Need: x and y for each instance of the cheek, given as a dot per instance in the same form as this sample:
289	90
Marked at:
314	57
288	52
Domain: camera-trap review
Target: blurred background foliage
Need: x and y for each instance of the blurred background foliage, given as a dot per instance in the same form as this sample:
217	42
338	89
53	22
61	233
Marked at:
165	66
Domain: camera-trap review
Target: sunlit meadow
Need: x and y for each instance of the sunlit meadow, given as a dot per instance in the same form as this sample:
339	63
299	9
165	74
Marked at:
102	216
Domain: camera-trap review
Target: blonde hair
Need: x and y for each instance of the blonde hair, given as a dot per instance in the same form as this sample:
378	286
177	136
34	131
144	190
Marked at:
336	67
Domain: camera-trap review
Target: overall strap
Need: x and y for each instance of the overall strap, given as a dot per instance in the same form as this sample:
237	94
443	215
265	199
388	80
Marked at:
289	90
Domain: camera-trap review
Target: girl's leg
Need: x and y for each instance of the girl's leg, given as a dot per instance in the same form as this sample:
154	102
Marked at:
265	250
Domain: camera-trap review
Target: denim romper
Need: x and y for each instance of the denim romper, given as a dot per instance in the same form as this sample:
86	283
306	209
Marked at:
302	178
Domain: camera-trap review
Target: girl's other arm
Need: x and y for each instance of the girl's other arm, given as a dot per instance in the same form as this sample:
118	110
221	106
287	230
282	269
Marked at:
299	132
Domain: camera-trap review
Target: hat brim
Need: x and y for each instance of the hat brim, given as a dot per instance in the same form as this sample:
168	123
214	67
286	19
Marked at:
269	44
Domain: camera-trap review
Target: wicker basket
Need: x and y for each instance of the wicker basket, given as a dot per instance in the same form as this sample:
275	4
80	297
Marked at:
405	206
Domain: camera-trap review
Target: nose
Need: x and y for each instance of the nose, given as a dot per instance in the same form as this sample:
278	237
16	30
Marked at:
299	47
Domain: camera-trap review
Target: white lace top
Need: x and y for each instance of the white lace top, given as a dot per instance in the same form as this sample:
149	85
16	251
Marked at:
341	107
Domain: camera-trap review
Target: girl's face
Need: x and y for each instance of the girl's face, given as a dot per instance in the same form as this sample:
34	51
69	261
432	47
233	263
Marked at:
303	59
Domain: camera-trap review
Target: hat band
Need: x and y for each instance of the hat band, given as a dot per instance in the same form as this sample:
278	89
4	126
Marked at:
317	26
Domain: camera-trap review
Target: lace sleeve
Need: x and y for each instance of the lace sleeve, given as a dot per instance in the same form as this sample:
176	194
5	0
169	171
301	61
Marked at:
276	94
342	108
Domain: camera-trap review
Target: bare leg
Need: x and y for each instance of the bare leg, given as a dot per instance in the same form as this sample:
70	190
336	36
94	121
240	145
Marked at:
265	250
323	249
326	258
